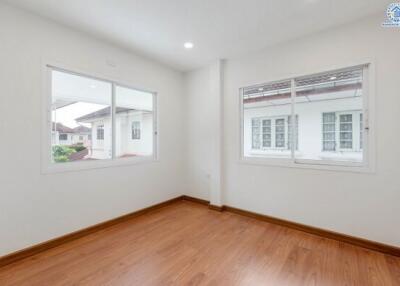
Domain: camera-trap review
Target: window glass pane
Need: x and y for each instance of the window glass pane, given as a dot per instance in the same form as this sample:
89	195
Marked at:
329	131
79	106
346	131
255	129
329	136
361	131
328	127
134	126
328	105
280	133
269	106
329	117
266	139
100	132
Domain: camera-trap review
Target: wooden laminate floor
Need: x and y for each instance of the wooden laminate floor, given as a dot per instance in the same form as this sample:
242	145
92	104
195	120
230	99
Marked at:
188	244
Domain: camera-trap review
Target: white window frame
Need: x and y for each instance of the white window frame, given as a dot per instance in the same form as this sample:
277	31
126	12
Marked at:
368	111
47	166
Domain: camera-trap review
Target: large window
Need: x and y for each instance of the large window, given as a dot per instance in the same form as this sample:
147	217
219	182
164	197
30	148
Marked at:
309	119
93	119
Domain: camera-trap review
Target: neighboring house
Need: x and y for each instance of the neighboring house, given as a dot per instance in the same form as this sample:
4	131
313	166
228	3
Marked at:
82	135
326	128
61	134
65	136
134	132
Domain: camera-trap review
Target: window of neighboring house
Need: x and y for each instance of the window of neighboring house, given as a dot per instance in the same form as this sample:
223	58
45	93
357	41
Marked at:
63	137
272	133
100	132
329	131
341	130
266	133
136	130
256	133
346	141
105	110
280	133
332	99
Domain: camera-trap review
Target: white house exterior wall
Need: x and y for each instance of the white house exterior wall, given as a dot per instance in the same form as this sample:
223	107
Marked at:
72	139
309	126
125	145
76	139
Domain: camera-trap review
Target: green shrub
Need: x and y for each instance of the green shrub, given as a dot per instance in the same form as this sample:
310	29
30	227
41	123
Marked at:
78	148
61	159
61	153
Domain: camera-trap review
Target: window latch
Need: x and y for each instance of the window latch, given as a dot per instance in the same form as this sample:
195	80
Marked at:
366	120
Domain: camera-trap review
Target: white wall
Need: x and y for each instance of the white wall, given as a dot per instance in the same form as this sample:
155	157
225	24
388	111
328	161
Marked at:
203	133
198	126
36	207
359	204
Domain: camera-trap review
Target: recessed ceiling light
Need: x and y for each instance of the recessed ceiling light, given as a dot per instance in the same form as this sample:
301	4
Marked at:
333	78
260	89
188	45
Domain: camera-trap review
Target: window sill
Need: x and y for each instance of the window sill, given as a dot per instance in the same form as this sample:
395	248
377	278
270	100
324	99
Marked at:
309	164
52	168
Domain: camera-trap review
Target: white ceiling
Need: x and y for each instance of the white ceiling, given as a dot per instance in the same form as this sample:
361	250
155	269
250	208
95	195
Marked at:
218	28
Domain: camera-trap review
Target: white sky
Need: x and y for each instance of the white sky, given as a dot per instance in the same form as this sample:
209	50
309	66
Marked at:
67	115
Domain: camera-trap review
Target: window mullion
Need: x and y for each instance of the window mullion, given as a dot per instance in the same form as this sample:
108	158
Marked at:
354	131
273	133
260	134
365	111
337	132
292	120
113	122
